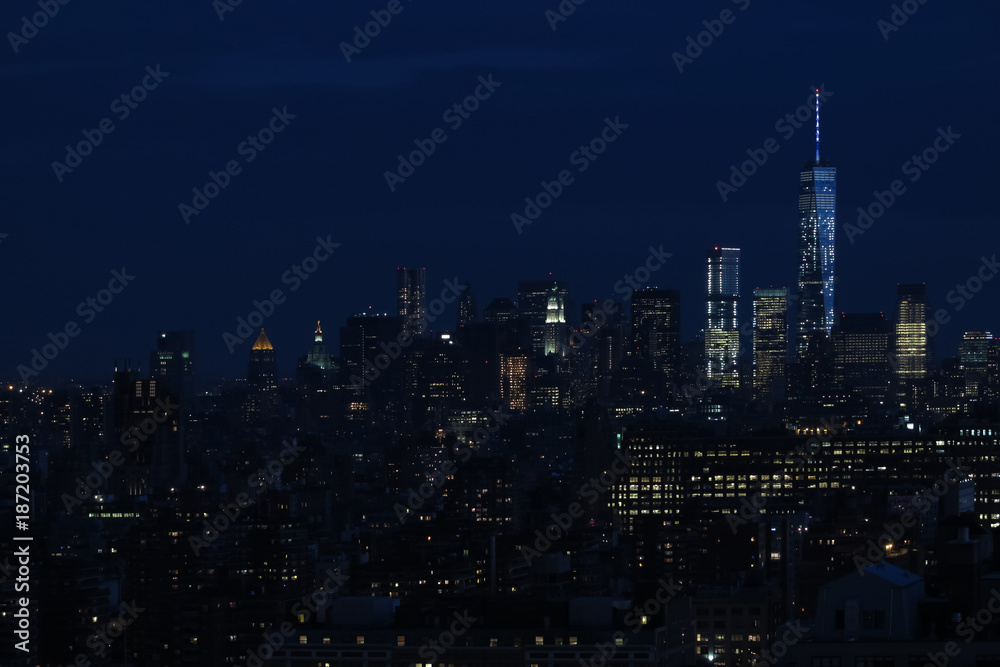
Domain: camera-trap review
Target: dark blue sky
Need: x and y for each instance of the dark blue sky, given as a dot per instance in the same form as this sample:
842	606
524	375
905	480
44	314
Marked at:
323	174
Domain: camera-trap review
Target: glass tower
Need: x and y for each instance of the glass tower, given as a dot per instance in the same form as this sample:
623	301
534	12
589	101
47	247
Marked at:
770	342
817	225
722	329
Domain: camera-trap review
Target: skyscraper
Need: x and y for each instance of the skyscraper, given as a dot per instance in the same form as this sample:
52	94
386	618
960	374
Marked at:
555	324
973	355
172	365
533	309
411	298
912	345
817	226
467	311
262	383
861	344
656	329
770	343
722	329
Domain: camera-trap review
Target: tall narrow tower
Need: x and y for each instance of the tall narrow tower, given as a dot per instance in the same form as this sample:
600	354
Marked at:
817	225
411	298
722	329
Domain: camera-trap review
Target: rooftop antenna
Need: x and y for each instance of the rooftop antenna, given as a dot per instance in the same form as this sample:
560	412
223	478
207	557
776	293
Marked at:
817	125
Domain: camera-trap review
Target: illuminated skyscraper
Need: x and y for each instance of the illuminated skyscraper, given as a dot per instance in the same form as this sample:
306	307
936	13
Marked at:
533	298
514	381
912	348
722	329
656	329
817	226
861	344
770	342
411	298
262	383
973	355
555	324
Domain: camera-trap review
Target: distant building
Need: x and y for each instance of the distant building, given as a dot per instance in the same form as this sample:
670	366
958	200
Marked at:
770	343
817	235
411	298
656	330
262	384
861	361
722	327
912	352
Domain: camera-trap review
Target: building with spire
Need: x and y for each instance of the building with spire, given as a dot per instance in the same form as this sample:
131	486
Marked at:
316	376
817	231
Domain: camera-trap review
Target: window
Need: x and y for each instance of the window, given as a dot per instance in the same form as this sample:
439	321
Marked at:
873	620
838	619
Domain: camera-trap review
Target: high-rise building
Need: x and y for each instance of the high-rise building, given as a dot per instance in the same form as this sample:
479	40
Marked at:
770	343
817	227
411	298
172	365
973	355
262	383
912	345
533	309
555	324
861	346
467	312
722	328
514	369
316	375
656	329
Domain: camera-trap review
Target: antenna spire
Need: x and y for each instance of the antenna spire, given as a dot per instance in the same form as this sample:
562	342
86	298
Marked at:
817	125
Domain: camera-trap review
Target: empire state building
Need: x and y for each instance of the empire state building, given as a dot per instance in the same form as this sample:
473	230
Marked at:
817	225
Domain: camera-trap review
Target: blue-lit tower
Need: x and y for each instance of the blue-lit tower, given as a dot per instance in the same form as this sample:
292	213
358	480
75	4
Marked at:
817	225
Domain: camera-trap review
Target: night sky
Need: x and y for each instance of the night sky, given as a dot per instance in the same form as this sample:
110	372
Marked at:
323	175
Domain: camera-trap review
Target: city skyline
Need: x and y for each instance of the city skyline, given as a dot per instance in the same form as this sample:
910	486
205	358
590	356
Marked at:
656	184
